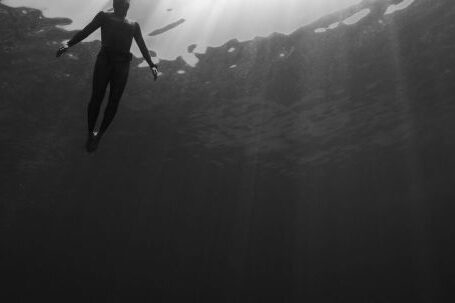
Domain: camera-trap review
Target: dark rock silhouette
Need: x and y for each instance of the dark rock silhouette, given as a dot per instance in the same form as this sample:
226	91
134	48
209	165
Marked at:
191	48
320	169
167	27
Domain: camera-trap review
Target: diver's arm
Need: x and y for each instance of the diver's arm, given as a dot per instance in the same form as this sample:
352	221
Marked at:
90	28
144	50
141	43
81	35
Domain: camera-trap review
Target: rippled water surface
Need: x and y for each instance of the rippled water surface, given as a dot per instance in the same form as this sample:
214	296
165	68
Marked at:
181	23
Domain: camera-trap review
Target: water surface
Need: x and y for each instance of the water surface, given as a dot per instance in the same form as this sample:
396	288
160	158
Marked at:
206	22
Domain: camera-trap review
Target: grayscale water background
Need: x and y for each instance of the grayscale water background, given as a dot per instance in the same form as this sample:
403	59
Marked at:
315	165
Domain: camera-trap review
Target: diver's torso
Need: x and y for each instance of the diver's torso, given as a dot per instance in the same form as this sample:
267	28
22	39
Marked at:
117	33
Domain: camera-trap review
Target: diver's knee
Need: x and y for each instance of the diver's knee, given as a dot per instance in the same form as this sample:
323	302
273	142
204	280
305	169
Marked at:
96	100
112	107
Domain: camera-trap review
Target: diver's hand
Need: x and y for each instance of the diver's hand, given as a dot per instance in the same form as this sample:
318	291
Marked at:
154	70
62	50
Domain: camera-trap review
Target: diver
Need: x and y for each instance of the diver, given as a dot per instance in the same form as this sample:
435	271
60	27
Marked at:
112	64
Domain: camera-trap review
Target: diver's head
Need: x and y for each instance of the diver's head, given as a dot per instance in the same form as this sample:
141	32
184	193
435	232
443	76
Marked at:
121	7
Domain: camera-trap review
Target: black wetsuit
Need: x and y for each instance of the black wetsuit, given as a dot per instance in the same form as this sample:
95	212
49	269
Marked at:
112	64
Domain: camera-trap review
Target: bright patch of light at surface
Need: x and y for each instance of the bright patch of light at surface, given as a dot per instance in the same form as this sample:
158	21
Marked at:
356	17
207	22
398	7
333	25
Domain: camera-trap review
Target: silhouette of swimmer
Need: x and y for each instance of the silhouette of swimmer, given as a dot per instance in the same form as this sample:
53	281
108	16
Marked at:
112	64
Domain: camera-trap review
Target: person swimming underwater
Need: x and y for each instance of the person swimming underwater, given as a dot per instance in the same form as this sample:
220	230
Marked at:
112	64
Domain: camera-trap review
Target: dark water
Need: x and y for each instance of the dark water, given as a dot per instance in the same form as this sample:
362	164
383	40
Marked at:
321	175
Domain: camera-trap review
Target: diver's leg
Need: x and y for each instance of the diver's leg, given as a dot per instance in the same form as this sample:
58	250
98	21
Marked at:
117	86
101	77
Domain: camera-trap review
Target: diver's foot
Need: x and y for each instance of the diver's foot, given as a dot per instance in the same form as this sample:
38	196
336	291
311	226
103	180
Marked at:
92	142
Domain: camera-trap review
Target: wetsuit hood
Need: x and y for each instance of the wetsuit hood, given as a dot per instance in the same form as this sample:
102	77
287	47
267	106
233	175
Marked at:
121	7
